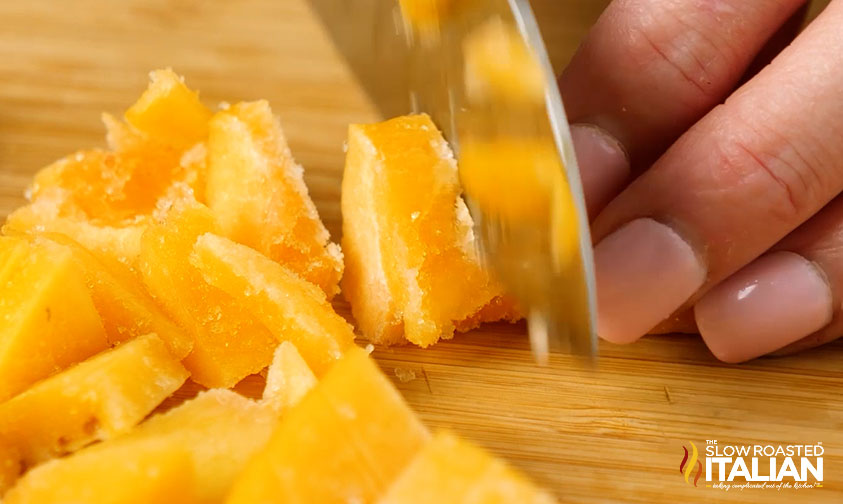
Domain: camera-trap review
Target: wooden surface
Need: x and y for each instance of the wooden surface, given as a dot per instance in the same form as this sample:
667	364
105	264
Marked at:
610	434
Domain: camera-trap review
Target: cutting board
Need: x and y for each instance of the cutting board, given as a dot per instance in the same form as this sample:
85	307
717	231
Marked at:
610	434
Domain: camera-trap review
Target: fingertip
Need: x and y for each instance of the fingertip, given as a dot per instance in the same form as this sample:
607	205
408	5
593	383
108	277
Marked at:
604	165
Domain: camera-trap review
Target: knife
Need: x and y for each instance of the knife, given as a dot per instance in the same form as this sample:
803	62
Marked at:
479	68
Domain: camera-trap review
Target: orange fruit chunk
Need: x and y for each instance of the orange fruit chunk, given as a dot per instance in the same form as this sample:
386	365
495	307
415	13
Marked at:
449	469
126	310
494	53
346	441
136	473
292	308
49	320
99	398
257	192
220	430
120	243
412	269
170	112
288	378
427	15
228	343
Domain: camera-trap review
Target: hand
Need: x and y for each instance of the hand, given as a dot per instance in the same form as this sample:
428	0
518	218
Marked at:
708	197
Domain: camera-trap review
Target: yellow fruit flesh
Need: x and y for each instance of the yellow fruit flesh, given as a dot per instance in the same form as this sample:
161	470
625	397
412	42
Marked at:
288	379
97	399
494	53
48	319
411	258
257	192
425	15
170	112
346	441
136	473
228	343
122	303
119	243
220	430
451	470
292	308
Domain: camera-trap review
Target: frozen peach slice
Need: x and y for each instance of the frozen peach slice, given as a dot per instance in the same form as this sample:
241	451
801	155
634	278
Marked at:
134	473
346	441
119	243
220	430
412	269
228	342
97	399
49	320
288	379
449	469
169	111
257	192
125	308
292	308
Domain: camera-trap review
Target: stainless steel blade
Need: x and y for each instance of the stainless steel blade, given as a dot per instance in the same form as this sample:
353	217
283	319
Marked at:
406	70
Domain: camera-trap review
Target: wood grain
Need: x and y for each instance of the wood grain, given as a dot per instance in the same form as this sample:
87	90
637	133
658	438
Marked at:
609	434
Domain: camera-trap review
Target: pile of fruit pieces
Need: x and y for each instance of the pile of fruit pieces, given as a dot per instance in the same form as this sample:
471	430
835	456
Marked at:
191	250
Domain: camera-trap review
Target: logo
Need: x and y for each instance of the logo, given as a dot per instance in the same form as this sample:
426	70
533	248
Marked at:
687	466
756	466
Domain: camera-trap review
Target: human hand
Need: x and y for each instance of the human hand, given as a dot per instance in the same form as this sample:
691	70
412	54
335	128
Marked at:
730	207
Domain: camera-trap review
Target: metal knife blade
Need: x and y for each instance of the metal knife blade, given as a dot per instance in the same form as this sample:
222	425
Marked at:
544	255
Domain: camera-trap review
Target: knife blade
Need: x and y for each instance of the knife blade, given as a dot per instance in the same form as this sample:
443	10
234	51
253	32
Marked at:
479	68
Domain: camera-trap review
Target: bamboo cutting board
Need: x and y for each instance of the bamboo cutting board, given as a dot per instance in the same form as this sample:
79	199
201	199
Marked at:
614	434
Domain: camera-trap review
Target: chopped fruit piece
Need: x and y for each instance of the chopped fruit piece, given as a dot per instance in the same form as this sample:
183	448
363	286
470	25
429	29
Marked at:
97	399
426	15
522	180
10	466
451	470
170	112
49	320
288	380
346	441
134	473
228	343
292	308
411	263
119	243
258	195
494	52
122	303
220	429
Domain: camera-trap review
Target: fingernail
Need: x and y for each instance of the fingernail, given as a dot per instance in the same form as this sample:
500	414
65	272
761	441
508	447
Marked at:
645	271
778	299
604	165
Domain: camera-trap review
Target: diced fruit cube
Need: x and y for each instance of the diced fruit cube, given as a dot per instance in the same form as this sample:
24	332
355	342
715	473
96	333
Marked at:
134	473
292	308
48	319
425	15
412	269
122	303
451	470
494	52
220	429
228	343
346	441
97	399
118	243
170	112
258	195
288	379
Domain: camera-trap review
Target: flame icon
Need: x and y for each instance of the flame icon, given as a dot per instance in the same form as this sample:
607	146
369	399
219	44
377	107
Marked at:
687	466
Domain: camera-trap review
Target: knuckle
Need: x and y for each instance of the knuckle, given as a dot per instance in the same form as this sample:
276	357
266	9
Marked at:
788	184
698	64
